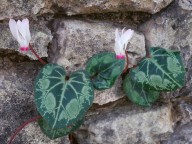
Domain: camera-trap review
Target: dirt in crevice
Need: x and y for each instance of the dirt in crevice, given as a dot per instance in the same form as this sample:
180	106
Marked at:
15	56
125	19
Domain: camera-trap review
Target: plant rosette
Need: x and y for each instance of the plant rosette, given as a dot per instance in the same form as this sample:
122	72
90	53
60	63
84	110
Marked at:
63	101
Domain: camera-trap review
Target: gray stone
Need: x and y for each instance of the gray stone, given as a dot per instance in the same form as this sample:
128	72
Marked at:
172	29
186	112
75	41
22	8
32	134
182	135
18	8
127	124
17	101
182	110
185	4
41	36
101	6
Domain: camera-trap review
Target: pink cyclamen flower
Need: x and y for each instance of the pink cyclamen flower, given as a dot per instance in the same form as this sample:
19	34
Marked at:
121	40
20	31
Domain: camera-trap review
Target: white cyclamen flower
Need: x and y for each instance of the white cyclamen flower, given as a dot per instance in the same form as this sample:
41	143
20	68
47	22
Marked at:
121	40
20	31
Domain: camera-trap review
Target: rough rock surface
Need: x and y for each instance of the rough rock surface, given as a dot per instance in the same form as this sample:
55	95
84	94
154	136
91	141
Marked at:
185	4
127	124
17	8
32	134
17	102
21	8
75	41
41	36
92	6
182	135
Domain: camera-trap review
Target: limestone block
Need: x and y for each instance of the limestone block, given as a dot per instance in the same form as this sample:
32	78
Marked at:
100	6
126	125
18	8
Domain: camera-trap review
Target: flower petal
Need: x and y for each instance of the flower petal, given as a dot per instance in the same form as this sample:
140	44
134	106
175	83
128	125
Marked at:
127	36
117	35
14	29
117	38
25	23
21	29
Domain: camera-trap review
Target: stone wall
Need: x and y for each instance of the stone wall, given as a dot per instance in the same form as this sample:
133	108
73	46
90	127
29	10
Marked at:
68	33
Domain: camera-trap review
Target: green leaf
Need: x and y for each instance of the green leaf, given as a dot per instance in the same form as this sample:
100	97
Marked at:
56	133
104	69
138	94
163	71
62	101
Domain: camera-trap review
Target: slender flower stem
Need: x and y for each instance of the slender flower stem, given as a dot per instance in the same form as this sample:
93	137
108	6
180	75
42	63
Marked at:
127	60
31	48
22	126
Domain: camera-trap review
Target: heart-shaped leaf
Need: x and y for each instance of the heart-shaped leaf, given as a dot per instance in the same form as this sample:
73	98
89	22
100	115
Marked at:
56	133
104	69
61	101
163	71
138	94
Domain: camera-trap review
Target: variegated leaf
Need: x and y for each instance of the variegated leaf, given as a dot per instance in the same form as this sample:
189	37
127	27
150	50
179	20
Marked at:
163	71
62	101
104	69
138	94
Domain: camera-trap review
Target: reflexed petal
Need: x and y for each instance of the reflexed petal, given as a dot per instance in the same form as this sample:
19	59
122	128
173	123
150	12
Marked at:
117	49
117	35
25	23
127	36
13	28
118	45
21	29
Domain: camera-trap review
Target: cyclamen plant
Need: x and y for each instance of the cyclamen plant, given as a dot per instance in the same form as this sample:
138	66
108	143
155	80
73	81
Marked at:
63	101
